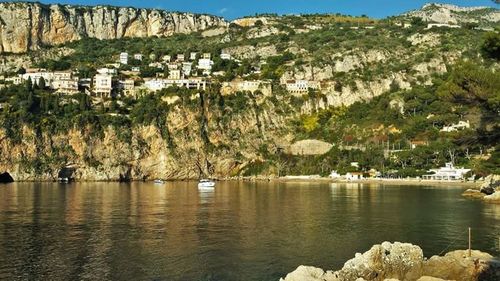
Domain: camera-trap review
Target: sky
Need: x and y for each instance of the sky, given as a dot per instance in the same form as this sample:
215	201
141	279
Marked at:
231	9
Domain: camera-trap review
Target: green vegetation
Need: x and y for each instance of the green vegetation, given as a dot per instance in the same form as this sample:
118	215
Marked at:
397	133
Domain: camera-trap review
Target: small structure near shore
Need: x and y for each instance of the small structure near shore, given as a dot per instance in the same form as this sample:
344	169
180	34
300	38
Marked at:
448	172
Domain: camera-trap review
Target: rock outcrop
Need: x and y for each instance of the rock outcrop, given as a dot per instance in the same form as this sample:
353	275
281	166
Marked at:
403	261
310	147
26	26
489	190
491	185
451	14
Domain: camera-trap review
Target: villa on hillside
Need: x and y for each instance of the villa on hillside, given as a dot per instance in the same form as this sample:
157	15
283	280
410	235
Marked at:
461	125
449	172
103	84
301	86
431	25
247	85
191	83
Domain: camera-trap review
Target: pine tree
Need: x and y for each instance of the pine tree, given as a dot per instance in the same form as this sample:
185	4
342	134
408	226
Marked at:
29	85
41	83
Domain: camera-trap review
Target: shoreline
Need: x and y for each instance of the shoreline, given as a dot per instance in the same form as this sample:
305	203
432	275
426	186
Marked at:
414	182
468	184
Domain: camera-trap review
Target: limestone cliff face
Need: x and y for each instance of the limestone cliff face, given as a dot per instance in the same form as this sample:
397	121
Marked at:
29	26
444	13
147	153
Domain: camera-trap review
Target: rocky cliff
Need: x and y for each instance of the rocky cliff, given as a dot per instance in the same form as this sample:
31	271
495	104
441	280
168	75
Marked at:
29	26
179	150
451	14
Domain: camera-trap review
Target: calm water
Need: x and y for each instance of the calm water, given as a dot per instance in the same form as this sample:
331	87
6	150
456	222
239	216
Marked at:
242	231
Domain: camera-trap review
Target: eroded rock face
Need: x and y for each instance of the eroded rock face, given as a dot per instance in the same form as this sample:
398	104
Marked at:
489	190
457	265
443	13
403	261
29	26
491	184
310	147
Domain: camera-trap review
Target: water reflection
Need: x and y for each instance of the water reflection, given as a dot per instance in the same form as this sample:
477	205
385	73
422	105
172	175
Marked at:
239	231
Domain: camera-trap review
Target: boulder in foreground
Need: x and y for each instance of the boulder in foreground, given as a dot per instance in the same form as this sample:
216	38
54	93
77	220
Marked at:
404	261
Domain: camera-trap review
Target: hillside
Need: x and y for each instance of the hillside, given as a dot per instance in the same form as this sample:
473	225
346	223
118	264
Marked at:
380	92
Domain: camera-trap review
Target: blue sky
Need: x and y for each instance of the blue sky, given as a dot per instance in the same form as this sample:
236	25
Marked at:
231	9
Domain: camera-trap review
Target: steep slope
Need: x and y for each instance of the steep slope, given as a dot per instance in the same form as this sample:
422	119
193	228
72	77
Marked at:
29	26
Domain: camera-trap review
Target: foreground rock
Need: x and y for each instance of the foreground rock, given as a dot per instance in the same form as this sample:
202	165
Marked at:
491	185
489	190
403	261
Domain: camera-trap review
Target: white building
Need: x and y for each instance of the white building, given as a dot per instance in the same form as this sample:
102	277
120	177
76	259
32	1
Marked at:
65	85
127	86
335	175
207	56
103	84
354	176
174	74
35	74
124	58
448	172
85	83
247	85
166	58
172	66
205	64
14	80
156	65
186	68
59	80
461	125
192	83
301	86
136	69
225	56
105	70
431	25
180	57
192	56
138	57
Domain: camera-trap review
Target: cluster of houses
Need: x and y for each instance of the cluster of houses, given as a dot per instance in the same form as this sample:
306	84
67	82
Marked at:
191	71
106	83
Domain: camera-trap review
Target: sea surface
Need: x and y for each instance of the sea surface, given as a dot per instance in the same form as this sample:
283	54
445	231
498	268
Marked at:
240	231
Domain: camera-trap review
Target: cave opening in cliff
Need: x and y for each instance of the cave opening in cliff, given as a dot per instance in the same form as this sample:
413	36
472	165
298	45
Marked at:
6	178
66	174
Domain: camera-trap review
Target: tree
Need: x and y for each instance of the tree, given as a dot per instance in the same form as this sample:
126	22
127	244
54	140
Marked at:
29	84
491	45
21	70
41	83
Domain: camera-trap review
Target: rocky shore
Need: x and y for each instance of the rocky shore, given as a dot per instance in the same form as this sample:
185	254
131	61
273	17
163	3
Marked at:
404	261
488	192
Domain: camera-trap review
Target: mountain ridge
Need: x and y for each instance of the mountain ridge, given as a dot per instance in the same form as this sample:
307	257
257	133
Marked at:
27	26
